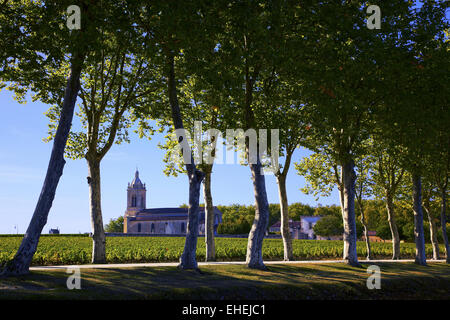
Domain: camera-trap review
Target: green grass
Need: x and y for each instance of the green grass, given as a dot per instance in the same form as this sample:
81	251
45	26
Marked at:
305	281
57	250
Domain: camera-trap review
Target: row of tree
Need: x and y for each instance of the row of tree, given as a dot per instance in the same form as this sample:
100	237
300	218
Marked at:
350	94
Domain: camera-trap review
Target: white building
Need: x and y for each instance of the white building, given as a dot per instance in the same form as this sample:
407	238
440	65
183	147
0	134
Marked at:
307	224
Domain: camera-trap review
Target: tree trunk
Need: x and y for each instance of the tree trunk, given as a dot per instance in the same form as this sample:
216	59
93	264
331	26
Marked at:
349	179
418	220
284	209
366	231
341	201
433	234
21	262
209	219
98	233
444	224
254	257
393	227
188	258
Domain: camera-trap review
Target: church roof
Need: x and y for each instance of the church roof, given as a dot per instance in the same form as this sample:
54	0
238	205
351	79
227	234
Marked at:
170	214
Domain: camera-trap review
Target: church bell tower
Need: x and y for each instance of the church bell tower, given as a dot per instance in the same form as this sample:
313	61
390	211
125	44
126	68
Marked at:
136	198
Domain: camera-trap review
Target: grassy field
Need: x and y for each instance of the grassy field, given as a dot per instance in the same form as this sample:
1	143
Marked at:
57	250
280	282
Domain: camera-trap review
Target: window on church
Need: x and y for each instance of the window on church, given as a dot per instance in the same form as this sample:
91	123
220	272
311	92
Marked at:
142	201
182	227
152	228
139	227
133	201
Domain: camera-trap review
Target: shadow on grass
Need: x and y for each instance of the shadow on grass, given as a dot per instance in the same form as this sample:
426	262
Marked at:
324	281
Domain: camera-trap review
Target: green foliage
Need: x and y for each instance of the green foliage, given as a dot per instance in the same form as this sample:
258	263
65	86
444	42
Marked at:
329	226
115	225
114	85
237	219
320	174
328	210
332	225
384	231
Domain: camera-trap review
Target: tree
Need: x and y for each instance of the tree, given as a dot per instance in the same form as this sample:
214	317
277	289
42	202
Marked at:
329	226
246	44
320	173
287	115
332	225
114	82
438	160
409	116
115	225
200	113
343	89
177	30
44	46
387	176
362	192
427	191
278	105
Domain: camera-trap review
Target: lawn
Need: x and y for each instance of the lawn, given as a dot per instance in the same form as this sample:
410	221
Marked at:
294	281
54	250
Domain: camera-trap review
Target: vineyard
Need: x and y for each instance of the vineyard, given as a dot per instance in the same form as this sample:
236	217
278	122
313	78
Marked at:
54	250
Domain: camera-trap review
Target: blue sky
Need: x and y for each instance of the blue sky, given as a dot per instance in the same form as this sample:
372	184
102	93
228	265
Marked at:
24	159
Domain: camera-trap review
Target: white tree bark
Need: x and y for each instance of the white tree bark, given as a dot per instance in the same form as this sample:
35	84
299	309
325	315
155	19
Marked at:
188	258
349	180
393	226
254	258
366	230
418	220
433	233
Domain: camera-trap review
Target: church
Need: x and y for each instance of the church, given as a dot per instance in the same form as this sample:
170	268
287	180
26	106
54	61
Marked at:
138	219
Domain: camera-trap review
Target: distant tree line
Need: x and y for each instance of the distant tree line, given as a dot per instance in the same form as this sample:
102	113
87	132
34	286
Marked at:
237	219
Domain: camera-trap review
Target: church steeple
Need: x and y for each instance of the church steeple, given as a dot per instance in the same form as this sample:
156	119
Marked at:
136	193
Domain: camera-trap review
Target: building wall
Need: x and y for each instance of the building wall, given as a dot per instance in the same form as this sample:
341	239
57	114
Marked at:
307	227
161	227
